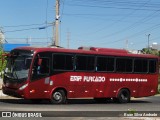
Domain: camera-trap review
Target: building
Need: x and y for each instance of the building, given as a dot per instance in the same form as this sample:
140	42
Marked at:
155	46
7	47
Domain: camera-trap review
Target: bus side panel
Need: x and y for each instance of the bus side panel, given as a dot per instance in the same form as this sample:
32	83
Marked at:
80	84
150	87
39	89
70	81
139	85
121	81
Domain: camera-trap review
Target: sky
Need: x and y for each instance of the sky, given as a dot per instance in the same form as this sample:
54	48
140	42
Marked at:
126	24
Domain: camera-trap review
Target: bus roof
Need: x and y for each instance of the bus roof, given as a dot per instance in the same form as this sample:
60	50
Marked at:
110	50
92	51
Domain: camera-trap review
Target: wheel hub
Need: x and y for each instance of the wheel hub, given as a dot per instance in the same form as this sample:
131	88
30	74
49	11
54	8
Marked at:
57	96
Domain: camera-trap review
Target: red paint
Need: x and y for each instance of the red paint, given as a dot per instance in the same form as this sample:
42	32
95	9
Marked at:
80	88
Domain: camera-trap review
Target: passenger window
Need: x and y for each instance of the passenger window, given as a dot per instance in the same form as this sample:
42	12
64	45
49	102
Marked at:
152	66
41	67
140	66
124	65
63	62
105	64
85	63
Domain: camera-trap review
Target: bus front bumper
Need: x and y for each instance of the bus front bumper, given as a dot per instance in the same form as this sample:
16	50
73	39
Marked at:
12	92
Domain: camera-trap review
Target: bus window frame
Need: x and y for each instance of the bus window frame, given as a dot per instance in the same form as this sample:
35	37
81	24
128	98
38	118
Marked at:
147	72
87	55
32	69
62	54
156	66
105	57
132	72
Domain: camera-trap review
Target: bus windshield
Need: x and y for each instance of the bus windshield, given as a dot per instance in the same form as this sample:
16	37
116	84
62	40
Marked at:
18	66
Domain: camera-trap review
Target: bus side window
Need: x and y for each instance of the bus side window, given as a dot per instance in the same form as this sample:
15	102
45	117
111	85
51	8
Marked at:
41	68
152	66
105	64
140	66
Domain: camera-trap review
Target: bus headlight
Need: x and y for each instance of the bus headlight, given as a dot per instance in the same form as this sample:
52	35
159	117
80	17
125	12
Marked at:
23	87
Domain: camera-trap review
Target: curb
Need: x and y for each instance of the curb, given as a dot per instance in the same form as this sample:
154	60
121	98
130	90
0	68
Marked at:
1	94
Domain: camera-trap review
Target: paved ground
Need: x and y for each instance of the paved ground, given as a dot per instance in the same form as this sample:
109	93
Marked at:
148	104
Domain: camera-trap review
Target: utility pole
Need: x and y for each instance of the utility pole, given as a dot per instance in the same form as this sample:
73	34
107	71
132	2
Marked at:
54	38
56	42
148	41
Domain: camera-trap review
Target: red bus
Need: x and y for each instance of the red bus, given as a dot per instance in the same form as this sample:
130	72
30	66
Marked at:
59	74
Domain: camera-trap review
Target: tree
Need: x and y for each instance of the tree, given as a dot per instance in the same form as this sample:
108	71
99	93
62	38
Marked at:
151	51
2	61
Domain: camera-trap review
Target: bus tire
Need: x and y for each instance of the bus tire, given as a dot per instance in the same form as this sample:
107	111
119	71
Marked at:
123	96
58	97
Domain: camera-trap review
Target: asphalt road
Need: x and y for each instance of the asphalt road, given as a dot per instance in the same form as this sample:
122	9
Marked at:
147	104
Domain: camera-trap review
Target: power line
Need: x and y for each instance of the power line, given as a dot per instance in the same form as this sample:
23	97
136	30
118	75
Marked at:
131	36
31	38
116	3
19	30
121	19
24	25
111	7
136	34
62	13
149	17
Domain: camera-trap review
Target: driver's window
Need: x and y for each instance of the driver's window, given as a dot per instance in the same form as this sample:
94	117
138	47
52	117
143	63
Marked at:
40	68
43	66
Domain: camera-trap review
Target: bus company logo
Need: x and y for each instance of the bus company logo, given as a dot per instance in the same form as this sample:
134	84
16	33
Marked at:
6	114
127	80
87	78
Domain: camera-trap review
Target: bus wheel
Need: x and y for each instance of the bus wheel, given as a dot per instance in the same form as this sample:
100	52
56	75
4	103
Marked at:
123	96
58	97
